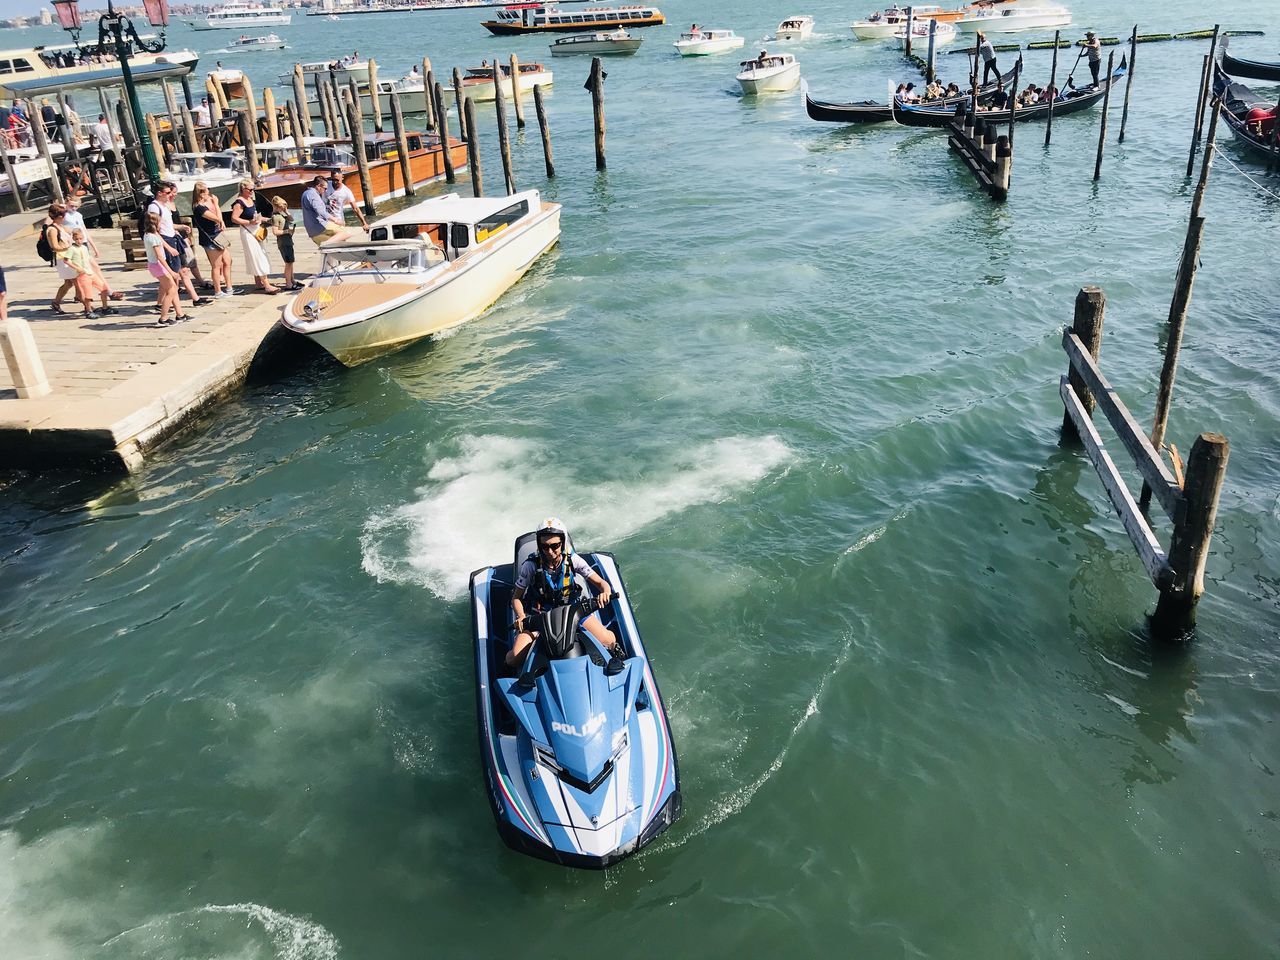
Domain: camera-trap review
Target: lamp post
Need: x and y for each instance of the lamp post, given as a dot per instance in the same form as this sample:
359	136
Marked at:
117	34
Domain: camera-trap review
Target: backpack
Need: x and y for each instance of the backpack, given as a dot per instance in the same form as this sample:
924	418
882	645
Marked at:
43	250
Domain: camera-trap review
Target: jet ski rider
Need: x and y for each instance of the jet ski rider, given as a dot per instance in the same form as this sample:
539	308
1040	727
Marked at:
547	580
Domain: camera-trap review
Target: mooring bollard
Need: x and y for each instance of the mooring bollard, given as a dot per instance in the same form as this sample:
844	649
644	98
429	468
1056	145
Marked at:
1102	127
442	114
1091	308
23	359
402	145
596	85
473	148
989	138
515	91
544	129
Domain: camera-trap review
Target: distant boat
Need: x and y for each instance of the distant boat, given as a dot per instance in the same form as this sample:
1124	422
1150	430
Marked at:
252	44
795	28
539	18
1015	16
942	33
769	73
615	42
334	18
343	68
477	83
237	16
700	43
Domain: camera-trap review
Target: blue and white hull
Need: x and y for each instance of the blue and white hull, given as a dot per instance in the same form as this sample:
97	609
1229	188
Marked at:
580	766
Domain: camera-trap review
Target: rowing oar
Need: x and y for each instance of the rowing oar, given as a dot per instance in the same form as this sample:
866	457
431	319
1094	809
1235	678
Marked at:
1074	65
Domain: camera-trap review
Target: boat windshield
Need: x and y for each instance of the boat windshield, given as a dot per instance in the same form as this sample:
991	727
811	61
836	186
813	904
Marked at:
375	260
190	165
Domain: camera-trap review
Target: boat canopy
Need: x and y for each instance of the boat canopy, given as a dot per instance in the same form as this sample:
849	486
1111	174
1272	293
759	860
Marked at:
452	208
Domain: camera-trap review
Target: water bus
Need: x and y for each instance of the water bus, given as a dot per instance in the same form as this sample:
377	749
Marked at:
540	18
237	16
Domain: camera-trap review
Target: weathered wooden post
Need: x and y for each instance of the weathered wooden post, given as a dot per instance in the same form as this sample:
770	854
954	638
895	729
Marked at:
68	135
273	119
1000	177
465	129
1102	126
597	106
543	129
1053	92
356	122
428	93
990	137
1091	307
1013	99
215	105
20	352
342	126
375	101
186	91
249	139
189	128
433	102
442	114
402	145
933	46
515	91
1128	83
504	137
296	128
250	104
353	88
1206	86
473	149
171	106
300	101
1181	302
1189	545
911	20
153	131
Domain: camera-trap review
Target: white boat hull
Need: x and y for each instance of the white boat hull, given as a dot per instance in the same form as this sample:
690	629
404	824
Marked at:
255	47
1015	21
774	80
597	47
865	30
800	32
702	48
920	41
242	23
484	91
477	284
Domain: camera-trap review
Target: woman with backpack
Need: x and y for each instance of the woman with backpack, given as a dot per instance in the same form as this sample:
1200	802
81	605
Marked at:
54	240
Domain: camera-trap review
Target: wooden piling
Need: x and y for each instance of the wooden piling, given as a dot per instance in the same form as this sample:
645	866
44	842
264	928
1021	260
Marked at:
402	145
515	91
106	115
72	152
597	106
1128	83
189	128
1202	98
465	130
153	131
544	129
1004	168
1013	100
249	139
171	106
269	109
185	80
911	19
1091	308
1053	82
442	115
504	137
250	104
215	102
473	149
353	88
356	123
933	48
14	187
1189	545
428	92
1102	126
375	101
297	129
217	94
300	101
1181	302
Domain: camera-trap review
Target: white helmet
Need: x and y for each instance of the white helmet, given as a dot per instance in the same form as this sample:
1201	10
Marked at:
553	525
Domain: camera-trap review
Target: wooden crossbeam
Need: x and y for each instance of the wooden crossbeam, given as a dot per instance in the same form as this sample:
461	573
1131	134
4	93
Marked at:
1144	541
1149	464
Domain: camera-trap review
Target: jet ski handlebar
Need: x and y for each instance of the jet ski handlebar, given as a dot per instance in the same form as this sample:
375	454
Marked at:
585	605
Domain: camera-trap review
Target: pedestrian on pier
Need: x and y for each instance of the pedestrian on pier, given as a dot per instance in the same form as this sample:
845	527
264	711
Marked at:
988	54
283	225
158	254
90	281
315	213
206	215
339	198
1094	50
244	214
4	298
58	239
163	206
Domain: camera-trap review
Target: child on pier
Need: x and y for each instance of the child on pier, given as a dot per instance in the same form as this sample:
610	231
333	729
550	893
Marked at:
89	281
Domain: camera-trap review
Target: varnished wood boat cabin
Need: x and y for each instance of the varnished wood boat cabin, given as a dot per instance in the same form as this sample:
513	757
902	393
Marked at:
539	18
426	163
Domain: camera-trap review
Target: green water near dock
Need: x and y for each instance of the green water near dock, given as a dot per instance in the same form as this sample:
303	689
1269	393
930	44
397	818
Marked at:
802	379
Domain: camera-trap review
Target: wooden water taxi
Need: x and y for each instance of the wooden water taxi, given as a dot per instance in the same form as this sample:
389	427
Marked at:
432	266
548	18
426	163
612	43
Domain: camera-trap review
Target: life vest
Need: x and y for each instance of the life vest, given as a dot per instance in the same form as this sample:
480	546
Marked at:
553	588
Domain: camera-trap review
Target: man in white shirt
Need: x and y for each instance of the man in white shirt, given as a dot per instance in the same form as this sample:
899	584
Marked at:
201	113
103	140
338	197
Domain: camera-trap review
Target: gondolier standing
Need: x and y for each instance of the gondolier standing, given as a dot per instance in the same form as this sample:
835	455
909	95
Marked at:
1094	49
988	53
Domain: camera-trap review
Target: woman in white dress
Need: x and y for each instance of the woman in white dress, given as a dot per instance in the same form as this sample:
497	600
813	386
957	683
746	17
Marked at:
244	214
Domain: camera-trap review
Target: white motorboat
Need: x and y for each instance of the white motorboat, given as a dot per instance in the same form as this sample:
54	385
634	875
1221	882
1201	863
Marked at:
1010	17
275	154
237	16
334	18
597	44
700	43
222	171
943	33
432	266
769	73
477	82
246	44
882	26
795	28
344	69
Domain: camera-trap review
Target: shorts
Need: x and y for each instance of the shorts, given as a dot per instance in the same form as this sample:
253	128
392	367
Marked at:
175	261
328	233
285	245
88	286
156	270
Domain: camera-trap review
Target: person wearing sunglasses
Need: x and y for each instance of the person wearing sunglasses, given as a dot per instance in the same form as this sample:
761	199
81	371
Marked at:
546	580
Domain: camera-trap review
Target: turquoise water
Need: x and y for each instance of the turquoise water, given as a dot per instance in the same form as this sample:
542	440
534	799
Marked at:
802	380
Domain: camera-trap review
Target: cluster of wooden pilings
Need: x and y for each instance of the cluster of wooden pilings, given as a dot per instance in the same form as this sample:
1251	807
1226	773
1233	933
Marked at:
987	154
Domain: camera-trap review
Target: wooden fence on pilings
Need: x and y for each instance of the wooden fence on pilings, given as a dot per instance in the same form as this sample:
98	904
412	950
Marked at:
988	155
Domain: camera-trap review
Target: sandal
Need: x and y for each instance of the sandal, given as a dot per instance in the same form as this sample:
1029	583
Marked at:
56	307
115	295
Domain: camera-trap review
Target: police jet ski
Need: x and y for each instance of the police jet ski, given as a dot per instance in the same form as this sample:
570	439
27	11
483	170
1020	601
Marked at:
577	753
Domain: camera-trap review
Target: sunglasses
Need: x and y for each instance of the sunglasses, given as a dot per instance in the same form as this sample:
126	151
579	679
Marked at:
552	546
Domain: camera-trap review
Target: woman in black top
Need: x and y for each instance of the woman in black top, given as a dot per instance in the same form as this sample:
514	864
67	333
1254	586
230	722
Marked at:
207	219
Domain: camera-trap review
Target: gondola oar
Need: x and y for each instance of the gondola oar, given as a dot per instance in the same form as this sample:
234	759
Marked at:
1073	67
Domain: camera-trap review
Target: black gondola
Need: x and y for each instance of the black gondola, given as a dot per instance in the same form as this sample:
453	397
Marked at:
869	111
913	115
1237	102
1253	69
